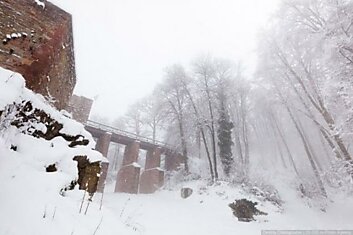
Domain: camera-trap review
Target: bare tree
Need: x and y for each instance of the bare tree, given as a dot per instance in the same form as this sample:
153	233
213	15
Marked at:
153	112
204	72
174	94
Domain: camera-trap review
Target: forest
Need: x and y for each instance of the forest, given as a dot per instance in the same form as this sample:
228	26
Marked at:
291	116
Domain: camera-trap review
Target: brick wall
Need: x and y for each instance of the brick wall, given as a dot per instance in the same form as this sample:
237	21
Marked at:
80	108
37	42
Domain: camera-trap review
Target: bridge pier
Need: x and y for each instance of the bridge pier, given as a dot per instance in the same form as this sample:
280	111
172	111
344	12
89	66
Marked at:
128	177
152	178
102	146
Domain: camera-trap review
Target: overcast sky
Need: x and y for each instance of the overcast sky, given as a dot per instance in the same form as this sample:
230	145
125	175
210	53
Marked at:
122	46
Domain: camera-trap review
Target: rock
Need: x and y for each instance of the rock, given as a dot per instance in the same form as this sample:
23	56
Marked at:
13	147
88	174
186	192
245	210
51	168
27	119
39	123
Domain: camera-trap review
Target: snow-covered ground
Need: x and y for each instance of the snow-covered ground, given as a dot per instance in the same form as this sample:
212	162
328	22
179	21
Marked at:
207	212
28	208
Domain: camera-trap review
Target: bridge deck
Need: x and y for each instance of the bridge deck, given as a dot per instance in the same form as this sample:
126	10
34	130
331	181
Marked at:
125	138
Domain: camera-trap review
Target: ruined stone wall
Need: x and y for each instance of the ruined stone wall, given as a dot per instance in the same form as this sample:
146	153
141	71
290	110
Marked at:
80	108
37	42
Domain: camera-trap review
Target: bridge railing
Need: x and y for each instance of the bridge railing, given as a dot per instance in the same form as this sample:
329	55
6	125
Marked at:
128	134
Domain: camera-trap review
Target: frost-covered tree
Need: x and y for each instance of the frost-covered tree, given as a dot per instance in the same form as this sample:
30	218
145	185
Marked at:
204	73
134	118
305	63
174	94
153	114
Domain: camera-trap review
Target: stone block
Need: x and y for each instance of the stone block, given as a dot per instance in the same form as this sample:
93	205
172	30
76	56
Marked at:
151	180
80	108
128	179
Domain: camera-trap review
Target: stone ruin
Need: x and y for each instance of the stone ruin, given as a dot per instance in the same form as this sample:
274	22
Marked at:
80	108
36	41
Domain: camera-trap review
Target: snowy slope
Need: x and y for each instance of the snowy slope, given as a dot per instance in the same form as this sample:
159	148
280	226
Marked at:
207	212
31	199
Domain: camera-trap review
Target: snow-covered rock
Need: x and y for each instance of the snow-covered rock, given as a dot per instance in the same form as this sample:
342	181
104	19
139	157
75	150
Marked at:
34	128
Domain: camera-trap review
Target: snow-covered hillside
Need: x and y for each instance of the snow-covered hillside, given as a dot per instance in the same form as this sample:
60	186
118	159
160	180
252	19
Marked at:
37	149
207	212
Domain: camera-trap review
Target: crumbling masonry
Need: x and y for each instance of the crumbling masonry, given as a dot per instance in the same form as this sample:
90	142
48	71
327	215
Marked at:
37	42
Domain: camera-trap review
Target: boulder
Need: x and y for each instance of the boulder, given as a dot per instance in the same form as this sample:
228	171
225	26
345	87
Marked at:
186	192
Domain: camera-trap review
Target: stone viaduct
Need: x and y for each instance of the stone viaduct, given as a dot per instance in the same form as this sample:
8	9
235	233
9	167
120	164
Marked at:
129	177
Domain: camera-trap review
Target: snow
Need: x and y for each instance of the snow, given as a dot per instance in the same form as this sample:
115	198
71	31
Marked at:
14	35
39	3
135	164
33	200
155	168
11	85
12	90
206	211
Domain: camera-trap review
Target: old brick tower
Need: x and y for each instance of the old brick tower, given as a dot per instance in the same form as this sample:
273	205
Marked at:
37	42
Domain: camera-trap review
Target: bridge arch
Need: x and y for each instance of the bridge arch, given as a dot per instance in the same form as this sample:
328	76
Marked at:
131	178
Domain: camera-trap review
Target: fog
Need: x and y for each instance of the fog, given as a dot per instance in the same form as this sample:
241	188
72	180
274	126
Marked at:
122	47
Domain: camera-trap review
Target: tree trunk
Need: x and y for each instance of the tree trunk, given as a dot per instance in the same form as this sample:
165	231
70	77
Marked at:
245	136
291	159
278	143
320	107
180	119
308	153
201	130
212	130
183	143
